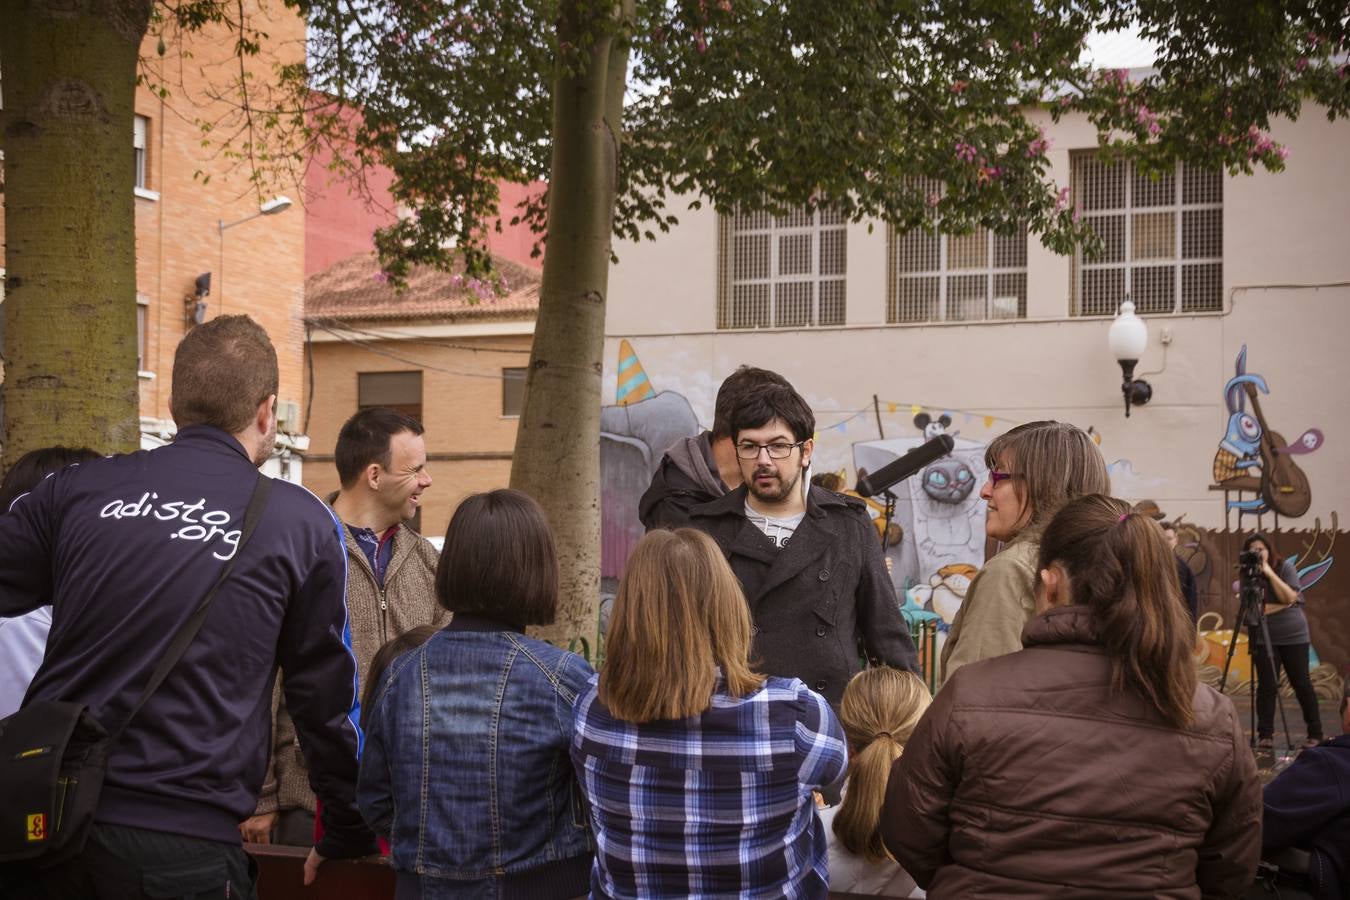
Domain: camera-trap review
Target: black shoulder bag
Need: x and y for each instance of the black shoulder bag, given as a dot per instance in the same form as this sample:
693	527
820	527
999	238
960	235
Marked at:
53	754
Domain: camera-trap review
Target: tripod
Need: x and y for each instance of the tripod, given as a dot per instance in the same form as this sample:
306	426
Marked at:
887	518
1251	606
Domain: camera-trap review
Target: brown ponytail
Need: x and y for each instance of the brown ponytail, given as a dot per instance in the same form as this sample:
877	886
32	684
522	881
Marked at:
879	710
1121	569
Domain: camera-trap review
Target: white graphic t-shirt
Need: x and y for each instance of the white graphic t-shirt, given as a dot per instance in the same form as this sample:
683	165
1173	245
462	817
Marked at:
778	530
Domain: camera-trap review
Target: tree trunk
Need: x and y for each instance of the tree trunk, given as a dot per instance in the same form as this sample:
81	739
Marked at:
557	453
70	232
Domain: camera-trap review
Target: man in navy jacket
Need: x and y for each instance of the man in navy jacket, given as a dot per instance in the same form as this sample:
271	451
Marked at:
1308	806
124	549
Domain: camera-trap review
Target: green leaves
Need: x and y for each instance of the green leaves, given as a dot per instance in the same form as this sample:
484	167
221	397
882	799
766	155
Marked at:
777	104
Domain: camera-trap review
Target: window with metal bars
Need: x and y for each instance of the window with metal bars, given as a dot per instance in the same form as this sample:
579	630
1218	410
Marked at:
956	278
781	272
1163	238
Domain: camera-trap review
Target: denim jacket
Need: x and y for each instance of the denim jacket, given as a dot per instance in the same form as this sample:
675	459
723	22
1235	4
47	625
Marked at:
466	768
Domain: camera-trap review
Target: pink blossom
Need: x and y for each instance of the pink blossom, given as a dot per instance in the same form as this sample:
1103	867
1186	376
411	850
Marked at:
382	277
724	5
1062	199
1301	63
965	152
1282	153
933	199
1154	127
1035	39
700	41
1038	146
959	86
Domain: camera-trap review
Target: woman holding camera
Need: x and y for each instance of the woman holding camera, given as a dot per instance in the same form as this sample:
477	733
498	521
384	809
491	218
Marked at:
1282	605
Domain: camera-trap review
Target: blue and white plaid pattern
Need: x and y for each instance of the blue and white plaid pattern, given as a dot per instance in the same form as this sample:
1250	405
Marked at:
717	804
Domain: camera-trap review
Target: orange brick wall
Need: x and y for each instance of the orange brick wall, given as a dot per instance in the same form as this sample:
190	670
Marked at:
177	236
461	409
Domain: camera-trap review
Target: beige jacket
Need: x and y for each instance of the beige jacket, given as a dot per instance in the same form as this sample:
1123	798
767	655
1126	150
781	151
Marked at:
374	616
1000	602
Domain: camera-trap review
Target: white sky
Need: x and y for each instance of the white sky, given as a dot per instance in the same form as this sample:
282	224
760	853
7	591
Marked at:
1119	50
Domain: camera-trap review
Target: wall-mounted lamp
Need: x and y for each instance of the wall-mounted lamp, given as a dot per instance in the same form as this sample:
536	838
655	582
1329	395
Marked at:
194	304
1128	339
269	208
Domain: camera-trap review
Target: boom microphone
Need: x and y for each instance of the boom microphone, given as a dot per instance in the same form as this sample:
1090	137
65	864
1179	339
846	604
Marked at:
899	469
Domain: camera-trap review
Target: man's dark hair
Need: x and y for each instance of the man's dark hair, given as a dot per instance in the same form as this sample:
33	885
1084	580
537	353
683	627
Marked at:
222	370
774	402
364	439
740	384
499	561
36	465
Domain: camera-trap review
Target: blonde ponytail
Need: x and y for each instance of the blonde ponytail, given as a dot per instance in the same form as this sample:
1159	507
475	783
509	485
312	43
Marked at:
879	711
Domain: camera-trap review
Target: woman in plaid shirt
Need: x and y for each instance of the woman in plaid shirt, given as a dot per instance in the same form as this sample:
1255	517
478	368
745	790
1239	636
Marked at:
699	772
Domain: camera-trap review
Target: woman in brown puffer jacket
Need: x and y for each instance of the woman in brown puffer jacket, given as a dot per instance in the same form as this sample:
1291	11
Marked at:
1090	764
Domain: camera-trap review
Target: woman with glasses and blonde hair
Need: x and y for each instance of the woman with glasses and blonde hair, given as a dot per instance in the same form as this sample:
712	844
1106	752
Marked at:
879	710
1091	763
1034	469
699	771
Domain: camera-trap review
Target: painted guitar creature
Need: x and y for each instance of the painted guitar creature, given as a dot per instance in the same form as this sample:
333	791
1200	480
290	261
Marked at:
1254	458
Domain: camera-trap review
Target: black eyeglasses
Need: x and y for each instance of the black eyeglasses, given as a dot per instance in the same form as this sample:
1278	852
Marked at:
777	450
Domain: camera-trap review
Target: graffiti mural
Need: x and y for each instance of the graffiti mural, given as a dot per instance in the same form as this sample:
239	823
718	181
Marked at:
1255	459
942	517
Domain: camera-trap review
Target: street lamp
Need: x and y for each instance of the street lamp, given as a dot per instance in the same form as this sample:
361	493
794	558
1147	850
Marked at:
270	208
1128	339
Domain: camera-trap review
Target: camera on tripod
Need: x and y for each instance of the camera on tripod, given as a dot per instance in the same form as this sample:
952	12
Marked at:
1253	586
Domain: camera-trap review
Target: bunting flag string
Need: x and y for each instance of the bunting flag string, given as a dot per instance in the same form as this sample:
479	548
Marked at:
895	406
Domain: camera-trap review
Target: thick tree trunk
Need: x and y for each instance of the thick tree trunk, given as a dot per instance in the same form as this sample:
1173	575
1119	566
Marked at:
69	75
557	454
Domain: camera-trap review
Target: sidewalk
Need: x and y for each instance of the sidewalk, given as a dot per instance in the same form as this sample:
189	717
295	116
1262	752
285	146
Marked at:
1268	767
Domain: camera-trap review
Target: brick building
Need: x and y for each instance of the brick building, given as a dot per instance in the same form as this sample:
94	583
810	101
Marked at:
256	264
437	352
185	191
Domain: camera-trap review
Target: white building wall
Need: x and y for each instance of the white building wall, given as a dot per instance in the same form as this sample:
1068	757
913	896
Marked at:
1286	296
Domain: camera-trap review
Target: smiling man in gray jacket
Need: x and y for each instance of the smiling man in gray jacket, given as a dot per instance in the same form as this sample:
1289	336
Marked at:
381	460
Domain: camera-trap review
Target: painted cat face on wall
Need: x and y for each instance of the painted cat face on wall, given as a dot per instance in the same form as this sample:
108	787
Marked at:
948	481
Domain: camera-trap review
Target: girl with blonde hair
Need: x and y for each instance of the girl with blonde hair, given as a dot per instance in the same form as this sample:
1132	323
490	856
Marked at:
880	708
699	771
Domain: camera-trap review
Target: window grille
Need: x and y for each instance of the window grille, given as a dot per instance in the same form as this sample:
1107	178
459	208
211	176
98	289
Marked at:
956	278
139	141
782	272
1162	237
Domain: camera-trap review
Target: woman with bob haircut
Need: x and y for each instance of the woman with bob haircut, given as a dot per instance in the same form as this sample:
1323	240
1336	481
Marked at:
1091	764
699	772
465	766
879	712
1034	469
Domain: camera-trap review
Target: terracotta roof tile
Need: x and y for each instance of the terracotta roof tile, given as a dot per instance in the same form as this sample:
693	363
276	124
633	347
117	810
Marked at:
355	288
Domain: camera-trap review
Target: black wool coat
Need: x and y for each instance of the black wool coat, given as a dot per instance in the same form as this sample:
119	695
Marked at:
821	602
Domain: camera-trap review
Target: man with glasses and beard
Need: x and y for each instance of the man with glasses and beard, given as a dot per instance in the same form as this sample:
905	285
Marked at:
807	559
